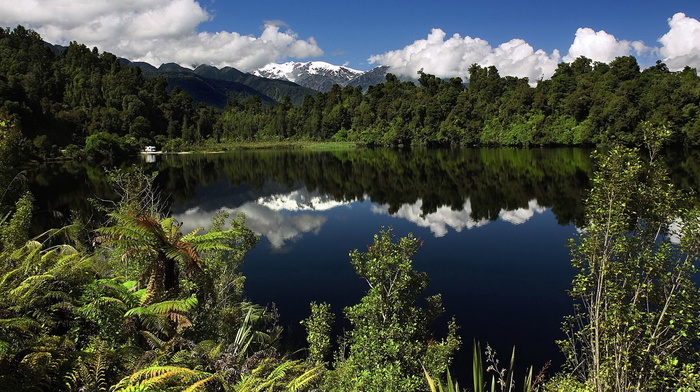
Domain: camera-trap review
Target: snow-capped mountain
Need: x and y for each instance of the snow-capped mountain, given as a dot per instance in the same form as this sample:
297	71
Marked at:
317	75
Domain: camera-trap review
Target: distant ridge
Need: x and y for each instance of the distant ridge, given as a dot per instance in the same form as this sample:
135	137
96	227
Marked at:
215	86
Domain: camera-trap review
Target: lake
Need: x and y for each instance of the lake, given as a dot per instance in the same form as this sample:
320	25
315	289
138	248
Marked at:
495	225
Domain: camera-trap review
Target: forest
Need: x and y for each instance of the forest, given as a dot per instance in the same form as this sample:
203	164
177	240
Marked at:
127	301
81	101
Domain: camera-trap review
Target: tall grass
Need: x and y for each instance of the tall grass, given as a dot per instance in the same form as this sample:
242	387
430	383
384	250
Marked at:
502	379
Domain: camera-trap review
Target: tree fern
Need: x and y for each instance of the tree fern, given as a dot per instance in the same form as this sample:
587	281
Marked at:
164	247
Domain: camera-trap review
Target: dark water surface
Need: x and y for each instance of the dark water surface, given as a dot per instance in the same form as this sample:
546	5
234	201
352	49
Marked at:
495	224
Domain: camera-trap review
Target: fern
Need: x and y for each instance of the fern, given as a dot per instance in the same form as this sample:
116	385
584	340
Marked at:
163	376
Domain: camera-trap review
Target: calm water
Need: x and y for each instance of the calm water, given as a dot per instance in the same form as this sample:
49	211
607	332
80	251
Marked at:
495	224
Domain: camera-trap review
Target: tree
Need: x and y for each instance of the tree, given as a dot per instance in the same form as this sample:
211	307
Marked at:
635	327
391	336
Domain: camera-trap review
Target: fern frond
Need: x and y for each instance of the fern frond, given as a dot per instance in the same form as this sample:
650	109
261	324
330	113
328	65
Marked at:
30	284
152	340
19	324
305	379
182	305
199	385
192	234
160	376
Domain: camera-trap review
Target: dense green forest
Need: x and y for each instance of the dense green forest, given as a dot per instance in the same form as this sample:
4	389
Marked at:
80	100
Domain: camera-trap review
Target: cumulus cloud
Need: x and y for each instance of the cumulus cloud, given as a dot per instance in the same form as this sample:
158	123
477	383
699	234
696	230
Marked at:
681	45
452	57
601	46
521	215
156	31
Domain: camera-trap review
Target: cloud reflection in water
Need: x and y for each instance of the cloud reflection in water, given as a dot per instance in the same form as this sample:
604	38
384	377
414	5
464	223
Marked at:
286	217
274	217
445	217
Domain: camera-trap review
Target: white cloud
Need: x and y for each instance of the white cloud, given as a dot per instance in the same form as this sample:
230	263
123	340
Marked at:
156	31
452	57
681	45
601	46
275	217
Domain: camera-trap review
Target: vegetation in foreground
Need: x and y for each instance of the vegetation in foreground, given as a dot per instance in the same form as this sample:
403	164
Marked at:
138	305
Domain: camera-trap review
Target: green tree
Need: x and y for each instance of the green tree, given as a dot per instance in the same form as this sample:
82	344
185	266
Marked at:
318	330
636	327
391	336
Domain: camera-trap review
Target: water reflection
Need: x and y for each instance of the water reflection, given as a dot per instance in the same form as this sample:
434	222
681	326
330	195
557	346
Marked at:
285	217
275	225
277	217
300	200
439	221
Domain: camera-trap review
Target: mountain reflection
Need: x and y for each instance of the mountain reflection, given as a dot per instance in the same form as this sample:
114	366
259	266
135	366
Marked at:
300	200
278	227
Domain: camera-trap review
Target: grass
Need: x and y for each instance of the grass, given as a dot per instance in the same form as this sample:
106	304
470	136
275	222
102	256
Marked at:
271	145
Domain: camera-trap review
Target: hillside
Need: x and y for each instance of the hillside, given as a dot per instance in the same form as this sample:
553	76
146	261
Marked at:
215	87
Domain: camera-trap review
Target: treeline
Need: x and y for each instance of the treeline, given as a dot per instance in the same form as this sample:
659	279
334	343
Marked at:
585	102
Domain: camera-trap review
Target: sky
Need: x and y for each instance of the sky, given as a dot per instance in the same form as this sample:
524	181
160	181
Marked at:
441	37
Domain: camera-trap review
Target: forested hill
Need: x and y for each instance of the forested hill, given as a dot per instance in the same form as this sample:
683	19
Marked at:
585	102
82	98
76	97
89	102
215	86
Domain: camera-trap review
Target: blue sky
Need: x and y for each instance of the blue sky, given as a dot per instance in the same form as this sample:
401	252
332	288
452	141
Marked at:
525	39
360	29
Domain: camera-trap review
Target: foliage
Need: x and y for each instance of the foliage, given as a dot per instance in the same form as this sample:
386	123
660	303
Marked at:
391	338
67	323
107	146
637	306
318	330
15	231
38	323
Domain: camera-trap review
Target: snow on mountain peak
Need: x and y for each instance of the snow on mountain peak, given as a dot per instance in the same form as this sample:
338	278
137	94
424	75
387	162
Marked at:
299	72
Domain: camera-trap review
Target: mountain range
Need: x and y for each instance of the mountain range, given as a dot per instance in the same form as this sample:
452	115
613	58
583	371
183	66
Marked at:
317	75
215	86
271	83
